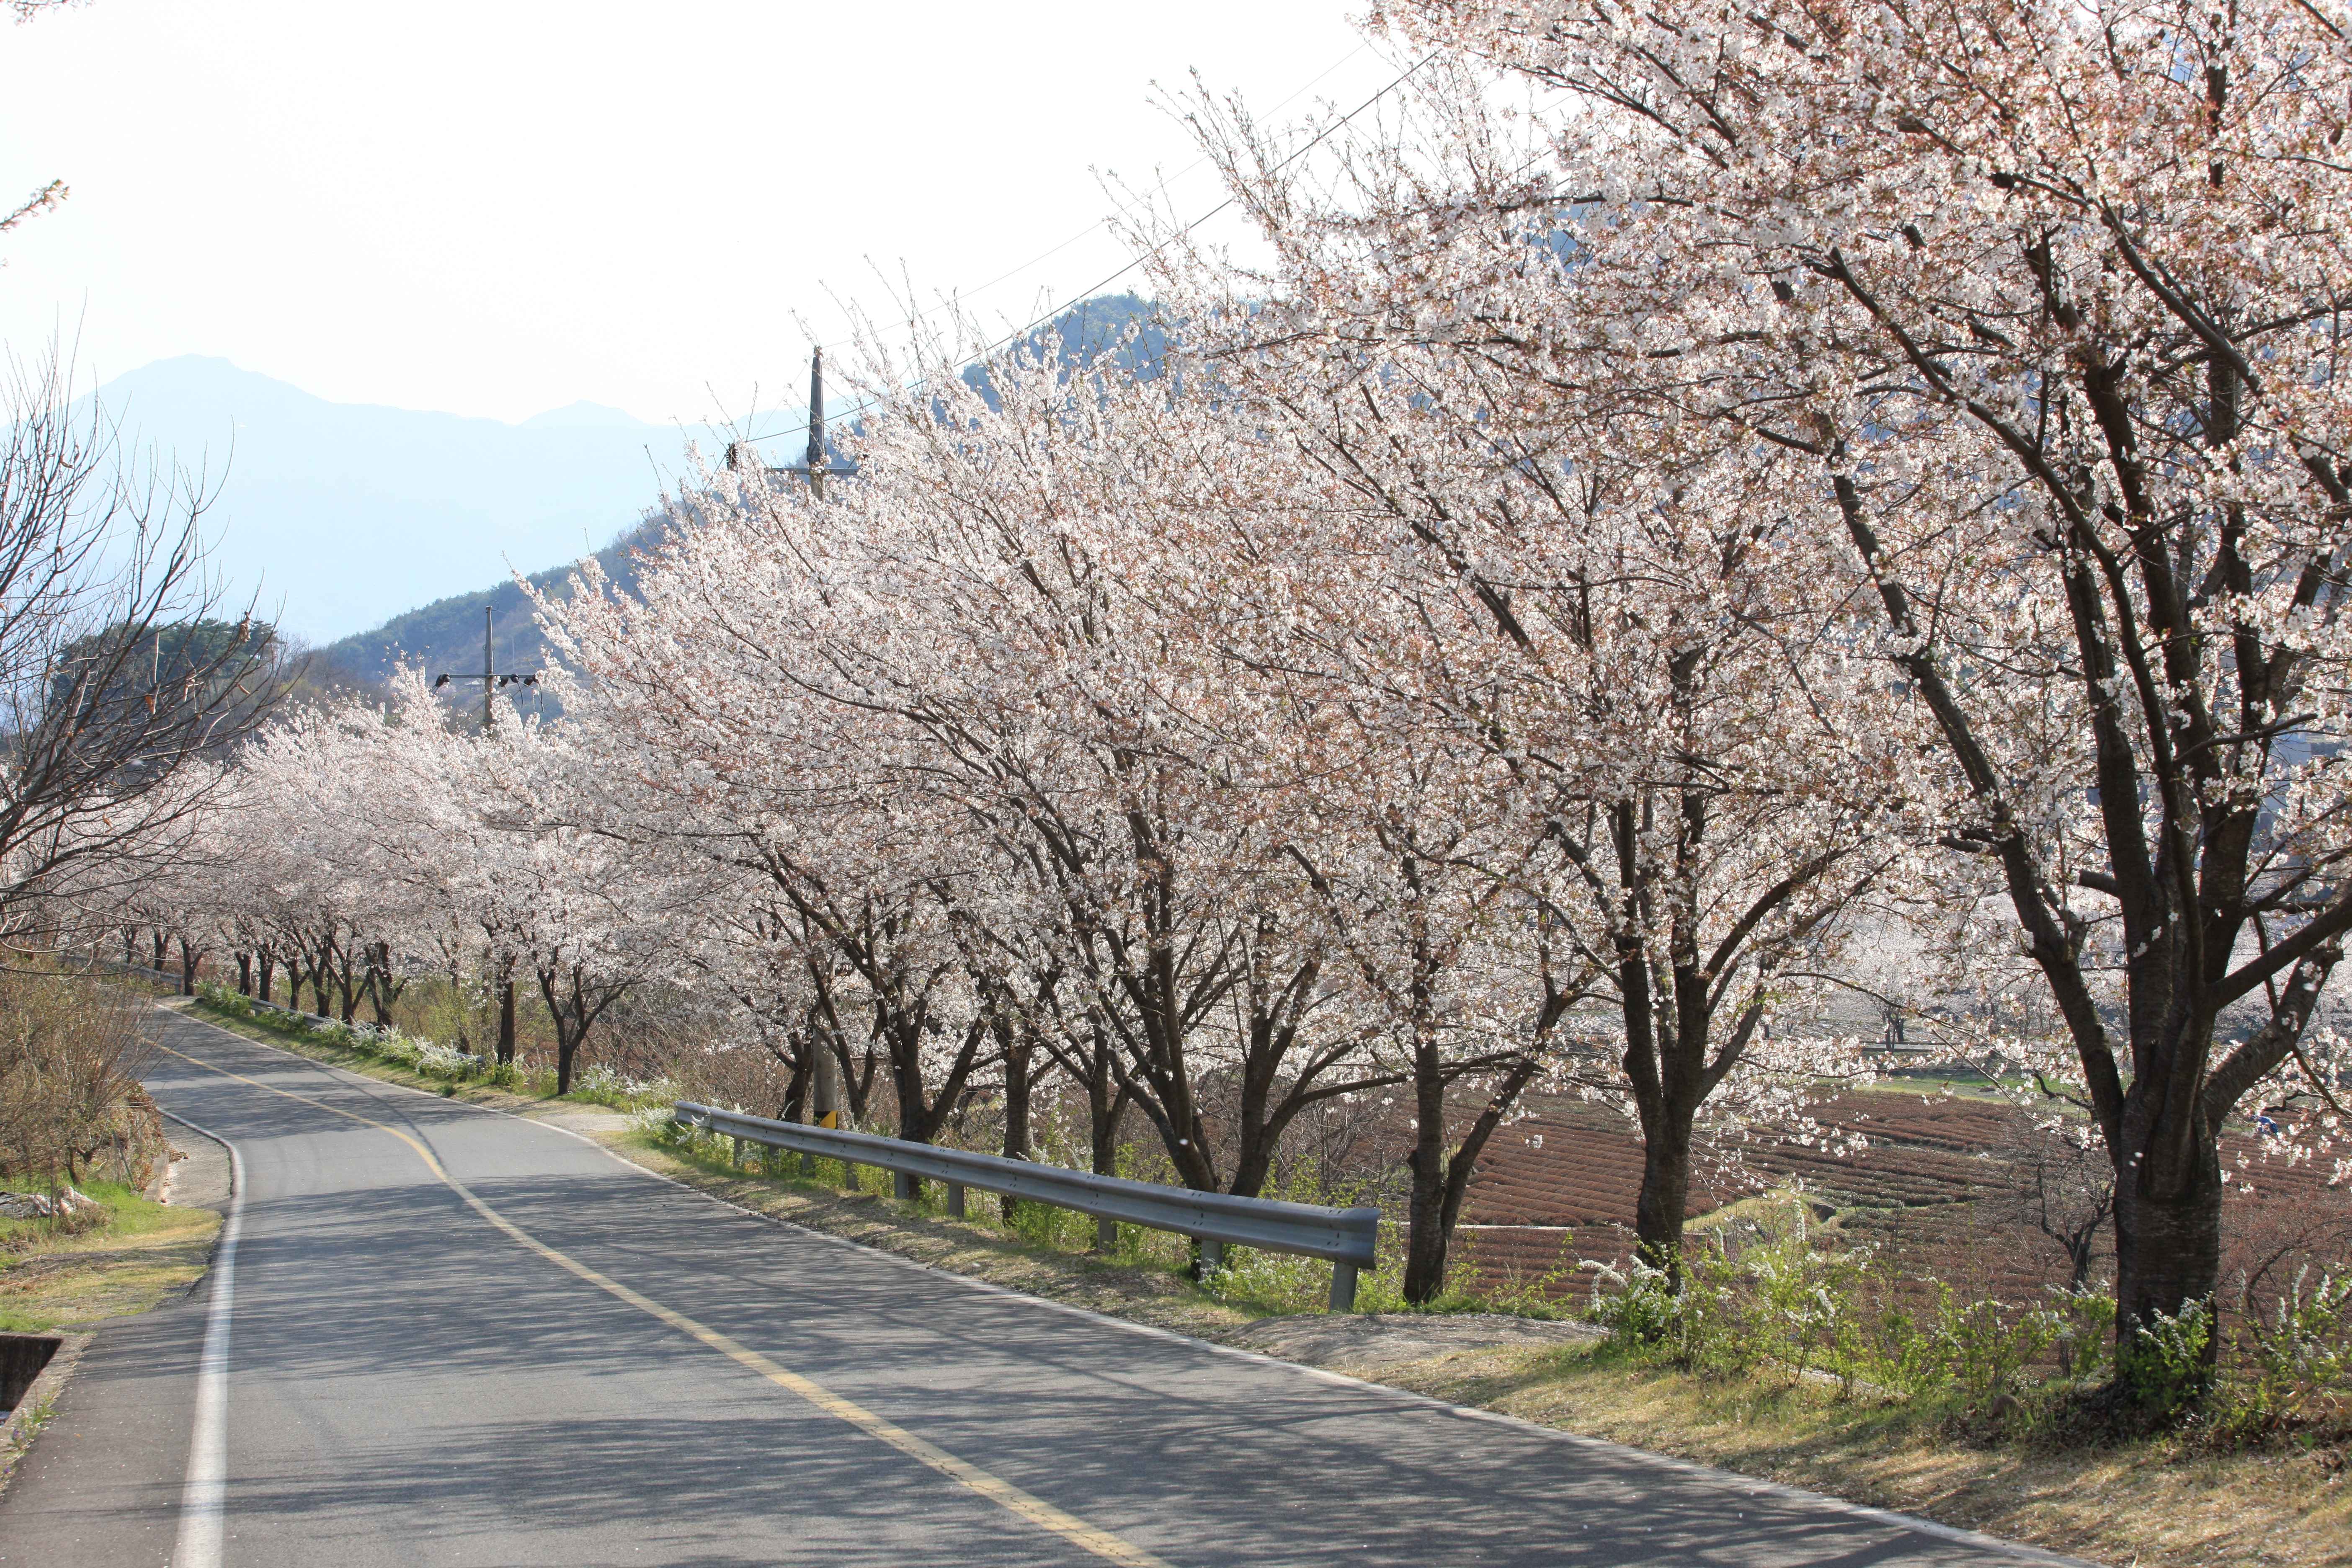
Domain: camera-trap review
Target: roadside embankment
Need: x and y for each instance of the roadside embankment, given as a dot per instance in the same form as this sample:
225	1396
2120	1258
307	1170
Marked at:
61	1284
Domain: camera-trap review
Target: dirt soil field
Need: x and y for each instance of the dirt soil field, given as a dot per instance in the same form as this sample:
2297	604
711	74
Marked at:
1558	1188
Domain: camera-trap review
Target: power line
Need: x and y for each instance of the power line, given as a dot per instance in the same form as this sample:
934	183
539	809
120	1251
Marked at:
1123	210
1134	262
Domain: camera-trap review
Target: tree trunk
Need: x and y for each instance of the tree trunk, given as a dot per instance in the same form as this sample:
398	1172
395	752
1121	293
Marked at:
379	983
1427	1232
1019	1048
187	968
1106	1105
506	1015
1666	1194
267	981
322	974
2168	1243
245	974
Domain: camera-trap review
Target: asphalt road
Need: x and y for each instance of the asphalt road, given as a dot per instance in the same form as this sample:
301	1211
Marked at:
455	1337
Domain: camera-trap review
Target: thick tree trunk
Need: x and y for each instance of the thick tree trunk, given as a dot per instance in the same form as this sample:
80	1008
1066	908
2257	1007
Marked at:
187	968
1017	1086
2168	1238
245	974
1665	1197
268	978
1106	1106
379	983
567	1046
795	1090
1437	1202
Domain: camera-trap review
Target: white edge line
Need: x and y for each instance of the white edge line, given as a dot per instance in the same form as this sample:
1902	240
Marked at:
1731	1479
204	1493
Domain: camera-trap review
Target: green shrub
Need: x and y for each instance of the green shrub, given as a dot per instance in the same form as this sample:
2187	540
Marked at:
2165	1367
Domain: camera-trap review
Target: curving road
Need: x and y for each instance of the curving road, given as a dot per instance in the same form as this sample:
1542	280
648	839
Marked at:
450	1336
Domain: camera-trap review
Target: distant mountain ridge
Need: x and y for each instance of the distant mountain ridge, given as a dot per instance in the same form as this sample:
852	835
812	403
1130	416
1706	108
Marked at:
447	634
332	512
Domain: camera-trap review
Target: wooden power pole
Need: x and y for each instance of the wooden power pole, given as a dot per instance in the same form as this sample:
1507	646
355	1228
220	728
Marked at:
491	680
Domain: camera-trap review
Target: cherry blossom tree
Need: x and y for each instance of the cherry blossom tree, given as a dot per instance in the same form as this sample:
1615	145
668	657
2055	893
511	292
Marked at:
2051	294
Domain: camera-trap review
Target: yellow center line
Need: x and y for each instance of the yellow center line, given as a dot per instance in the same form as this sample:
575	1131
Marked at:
1003	1493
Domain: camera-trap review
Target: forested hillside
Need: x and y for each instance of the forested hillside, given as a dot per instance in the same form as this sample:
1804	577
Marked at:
446	635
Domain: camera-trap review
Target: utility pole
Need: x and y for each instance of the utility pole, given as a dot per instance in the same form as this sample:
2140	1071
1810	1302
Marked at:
816	460
815	467
489	674
491	680
821	1105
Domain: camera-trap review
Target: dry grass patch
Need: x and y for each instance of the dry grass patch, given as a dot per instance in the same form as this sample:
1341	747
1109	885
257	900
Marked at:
2168	1501
147	1254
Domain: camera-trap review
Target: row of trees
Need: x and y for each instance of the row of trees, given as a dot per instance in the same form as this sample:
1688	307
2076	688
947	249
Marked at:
1791	473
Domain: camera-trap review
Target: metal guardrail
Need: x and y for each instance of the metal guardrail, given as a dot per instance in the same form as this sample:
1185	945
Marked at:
168	976
1346	1237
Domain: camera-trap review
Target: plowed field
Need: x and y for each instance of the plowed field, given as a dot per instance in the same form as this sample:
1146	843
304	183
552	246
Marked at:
1560	1186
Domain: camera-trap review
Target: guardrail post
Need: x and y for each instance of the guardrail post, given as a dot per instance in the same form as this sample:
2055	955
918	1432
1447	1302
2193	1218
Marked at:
1212	1254
808	1164
1106	1234
902	1185
955	1200
1343	1287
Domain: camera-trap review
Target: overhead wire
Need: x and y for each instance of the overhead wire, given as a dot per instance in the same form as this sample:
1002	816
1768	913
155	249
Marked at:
1121	211
1135	262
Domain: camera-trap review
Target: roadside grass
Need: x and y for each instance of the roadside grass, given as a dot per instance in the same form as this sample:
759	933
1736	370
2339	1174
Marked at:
143	1255
2162	1500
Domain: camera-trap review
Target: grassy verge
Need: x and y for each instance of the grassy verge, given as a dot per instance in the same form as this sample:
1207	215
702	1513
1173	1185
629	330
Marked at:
144	1255
2169	1501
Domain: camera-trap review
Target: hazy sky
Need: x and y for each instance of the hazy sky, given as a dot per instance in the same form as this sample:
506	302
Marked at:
497	208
